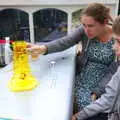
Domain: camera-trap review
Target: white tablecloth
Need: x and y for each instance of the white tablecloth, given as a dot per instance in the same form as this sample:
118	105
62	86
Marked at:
52	99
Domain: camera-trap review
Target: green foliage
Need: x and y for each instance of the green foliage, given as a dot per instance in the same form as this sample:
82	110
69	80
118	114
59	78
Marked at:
76	18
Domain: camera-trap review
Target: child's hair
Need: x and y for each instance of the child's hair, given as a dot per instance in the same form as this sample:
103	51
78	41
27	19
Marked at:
116	25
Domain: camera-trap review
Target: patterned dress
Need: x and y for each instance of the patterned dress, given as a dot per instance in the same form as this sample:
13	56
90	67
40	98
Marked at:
100	56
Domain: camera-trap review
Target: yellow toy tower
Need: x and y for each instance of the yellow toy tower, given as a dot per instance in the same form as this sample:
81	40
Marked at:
22	80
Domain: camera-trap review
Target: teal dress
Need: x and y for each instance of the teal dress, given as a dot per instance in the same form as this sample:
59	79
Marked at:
100	56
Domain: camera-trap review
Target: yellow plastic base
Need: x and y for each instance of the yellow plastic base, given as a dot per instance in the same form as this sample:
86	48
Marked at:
22	82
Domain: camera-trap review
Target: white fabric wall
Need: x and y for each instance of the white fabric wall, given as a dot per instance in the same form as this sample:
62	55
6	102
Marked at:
31	2
69	6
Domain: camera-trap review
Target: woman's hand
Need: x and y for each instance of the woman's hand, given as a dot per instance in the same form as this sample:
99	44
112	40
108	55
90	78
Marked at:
33	49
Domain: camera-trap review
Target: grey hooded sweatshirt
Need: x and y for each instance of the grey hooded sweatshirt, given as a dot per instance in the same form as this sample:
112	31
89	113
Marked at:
105	102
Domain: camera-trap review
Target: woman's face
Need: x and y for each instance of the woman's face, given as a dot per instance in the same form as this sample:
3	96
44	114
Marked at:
92	27
116	46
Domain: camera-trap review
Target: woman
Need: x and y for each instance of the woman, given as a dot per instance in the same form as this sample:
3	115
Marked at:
106	101
97	34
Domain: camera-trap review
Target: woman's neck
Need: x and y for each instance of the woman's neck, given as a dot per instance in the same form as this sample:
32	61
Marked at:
105	35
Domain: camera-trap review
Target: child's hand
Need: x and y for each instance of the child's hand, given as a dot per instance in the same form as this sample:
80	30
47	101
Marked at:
93	97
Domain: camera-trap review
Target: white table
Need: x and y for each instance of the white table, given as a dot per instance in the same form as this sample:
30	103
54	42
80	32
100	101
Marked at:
51	100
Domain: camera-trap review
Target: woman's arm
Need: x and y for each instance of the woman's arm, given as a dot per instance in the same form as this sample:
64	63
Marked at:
58	44
65	42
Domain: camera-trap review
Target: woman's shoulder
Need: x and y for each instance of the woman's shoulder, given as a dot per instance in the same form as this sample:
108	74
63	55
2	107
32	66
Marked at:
79	29
78	33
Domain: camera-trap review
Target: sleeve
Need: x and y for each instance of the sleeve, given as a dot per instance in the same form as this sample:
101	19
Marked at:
104	103
110	72
65	42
